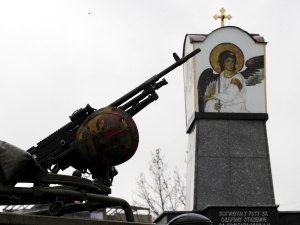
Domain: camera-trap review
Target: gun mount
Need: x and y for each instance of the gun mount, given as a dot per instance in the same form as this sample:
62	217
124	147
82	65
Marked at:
94	141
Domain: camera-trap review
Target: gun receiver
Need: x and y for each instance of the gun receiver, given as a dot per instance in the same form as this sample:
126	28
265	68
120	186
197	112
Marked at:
58	151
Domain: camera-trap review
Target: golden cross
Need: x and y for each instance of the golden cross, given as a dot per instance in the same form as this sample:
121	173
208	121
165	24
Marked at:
222	16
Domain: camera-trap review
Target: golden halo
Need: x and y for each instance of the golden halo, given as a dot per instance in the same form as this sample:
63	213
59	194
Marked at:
214	56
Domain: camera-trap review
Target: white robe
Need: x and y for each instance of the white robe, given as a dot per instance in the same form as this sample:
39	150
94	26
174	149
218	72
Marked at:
231	96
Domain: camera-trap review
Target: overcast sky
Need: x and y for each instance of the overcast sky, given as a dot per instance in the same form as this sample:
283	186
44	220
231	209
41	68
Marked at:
57	56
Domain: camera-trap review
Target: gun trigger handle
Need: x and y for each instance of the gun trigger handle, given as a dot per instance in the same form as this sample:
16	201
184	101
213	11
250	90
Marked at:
176	57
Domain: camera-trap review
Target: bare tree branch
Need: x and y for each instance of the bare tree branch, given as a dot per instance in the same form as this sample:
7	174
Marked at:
160	191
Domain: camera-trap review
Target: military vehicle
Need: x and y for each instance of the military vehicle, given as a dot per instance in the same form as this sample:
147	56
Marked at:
94	141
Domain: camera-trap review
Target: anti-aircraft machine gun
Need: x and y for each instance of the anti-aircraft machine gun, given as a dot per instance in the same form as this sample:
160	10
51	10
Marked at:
94	141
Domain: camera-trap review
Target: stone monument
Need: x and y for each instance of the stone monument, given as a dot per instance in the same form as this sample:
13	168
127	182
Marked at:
229	177
226	114
228	160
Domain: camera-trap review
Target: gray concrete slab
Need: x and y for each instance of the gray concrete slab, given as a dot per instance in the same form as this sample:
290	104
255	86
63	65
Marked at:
232	165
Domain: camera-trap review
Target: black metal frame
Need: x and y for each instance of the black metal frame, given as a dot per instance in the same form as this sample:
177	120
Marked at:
76	194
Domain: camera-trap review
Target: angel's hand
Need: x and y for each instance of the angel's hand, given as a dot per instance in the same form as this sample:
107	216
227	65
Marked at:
218	106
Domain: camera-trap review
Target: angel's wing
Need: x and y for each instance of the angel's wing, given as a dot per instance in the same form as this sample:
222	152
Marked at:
253	74
206	81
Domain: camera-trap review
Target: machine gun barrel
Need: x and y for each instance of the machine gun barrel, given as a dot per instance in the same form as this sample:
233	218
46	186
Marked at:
153	79
57	151
143	95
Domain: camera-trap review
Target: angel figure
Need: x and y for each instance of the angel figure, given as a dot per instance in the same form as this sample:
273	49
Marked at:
226	90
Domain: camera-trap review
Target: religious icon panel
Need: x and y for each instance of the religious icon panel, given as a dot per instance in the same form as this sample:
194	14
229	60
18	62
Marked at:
228	75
